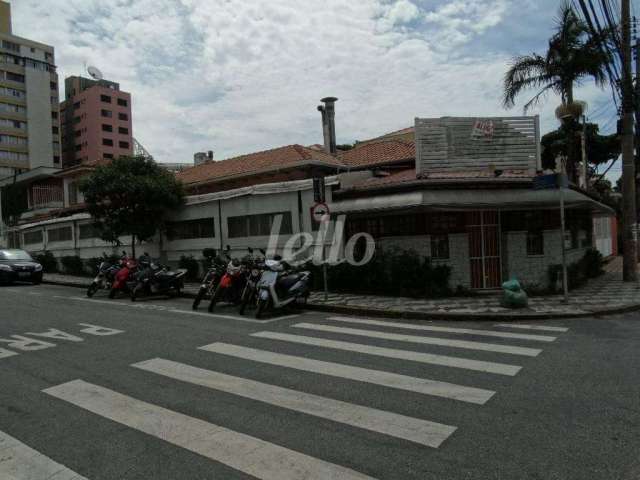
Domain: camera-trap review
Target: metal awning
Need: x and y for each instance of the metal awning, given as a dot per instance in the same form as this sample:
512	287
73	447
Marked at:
471	199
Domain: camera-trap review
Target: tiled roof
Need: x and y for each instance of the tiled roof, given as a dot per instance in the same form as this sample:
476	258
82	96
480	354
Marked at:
288	156
379	153
405	135
409	175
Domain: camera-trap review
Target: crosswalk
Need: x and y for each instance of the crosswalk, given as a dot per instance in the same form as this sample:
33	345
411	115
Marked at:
362	339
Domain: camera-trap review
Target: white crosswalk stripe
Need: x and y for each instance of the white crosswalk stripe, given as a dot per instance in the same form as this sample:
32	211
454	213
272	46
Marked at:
398	337
433	328
21	462
247	454
386	379
428	433
542	328
444	360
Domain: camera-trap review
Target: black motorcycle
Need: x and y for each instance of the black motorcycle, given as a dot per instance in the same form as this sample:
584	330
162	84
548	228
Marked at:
154	279
217	267
254	269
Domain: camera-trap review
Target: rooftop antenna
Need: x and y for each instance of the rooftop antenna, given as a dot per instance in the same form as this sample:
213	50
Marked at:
94	72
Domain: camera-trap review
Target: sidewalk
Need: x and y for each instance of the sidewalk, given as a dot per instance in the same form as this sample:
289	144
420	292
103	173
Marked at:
607	294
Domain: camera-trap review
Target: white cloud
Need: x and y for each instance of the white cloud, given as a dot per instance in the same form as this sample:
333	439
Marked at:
236	76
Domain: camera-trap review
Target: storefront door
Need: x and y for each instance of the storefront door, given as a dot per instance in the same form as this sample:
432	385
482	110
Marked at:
484	249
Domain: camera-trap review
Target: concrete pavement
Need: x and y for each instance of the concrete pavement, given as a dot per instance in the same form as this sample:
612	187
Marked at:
101	389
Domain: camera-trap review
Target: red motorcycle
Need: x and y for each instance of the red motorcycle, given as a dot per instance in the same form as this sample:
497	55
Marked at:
124	277
231	285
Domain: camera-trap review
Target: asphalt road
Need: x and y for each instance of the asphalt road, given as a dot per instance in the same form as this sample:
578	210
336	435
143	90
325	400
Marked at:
101	389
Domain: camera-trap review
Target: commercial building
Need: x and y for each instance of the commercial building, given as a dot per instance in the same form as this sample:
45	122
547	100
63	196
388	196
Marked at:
457	191
96	121
29	113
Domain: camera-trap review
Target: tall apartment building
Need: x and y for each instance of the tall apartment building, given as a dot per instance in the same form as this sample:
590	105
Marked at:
96	121
29	128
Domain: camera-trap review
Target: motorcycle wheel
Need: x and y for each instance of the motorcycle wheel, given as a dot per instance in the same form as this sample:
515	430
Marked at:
262	306
112	293
217	295
93	288
196	302
246	295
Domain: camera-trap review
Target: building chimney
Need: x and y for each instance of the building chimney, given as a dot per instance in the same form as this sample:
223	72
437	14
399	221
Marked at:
329	123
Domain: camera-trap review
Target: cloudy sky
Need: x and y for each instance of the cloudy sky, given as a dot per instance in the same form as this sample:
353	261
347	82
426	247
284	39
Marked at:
236	76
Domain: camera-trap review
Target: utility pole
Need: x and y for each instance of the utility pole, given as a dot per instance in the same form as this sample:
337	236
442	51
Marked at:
584	170
636	109
629	215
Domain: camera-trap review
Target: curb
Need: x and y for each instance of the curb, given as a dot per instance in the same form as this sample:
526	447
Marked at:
409	315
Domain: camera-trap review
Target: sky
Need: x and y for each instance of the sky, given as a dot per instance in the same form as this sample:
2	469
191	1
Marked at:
238	76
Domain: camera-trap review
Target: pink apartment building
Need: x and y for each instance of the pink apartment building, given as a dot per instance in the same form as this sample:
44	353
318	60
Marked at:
96	121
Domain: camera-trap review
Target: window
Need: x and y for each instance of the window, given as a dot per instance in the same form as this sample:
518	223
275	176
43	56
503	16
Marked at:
108	142
33	237
106	113
9	107
108	155
105	98
14	77
123	144
7	123
76	105
78	147
199	228
440	246
48	56
12	140
123	116
62	234
11	92
535	242
123	131
76	119
257	225
73	193
77	133
10	45
122	102
55	130
56	159
107	128
87	230
53	86
13	156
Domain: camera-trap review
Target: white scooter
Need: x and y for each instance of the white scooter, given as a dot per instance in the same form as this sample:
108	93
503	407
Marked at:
279	287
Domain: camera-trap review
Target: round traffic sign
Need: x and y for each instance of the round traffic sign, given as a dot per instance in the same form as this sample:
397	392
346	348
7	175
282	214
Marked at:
320	212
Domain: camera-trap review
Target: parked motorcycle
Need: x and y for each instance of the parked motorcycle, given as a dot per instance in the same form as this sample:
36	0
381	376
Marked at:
280	286
158	280
211	279
123	278
231	284
255	266
107	271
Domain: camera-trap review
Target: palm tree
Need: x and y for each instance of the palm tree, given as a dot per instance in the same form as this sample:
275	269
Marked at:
573	55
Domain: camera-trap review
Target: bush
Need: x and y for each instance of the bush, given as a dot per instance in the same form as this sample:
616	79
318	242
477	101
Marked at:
591	265
48	261
390	272
191	265
73	265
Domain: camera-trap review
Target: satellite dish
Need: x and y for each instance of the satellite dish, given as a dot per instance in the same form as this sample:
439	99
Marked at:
94	72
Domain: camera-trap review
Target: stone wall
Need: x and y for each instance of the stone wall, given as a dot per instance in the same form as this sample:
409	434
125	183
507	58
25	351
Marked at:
458	254
533	269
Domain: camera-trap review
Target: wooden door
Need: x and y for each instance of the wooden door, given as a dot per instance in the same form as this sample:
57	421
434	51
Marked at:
484	249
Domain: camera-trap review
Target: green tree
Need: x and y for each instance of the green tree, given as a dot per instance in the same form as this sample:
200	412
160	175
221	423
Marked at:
600	148
572	56
130	196
14	202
